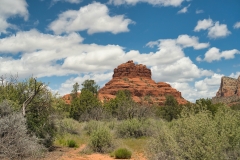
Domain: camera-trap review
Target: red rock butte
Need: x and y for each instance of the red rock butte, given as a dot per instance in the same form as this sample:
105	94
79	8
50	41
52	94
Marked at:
229	91
137	79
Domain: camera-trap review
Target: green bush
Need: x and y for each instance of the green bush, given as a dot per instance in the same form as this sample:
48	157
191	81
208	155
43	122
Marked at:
123	153
68	125
101	140
92	126
72	144
134	128
198	136
15	141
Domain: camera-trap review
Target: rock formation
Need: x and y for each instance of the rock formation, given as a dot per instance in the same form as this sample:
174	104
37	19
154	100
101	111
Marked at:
137	79
68	98
229	91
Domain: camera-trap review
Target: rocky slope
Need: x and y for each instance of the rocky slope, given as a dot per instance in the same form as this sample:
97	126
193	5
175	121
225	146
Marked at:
229	91
137	79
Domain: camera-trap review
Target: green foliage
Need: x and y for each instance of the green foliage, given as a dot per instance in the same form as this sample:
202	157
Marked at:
92	126
91	86
122	153
198	136
101	140
68	125
38	107
60	107
15	142
171	101
75	90
72	143
171	110
123	107
207	104
235	107
83	105
134	128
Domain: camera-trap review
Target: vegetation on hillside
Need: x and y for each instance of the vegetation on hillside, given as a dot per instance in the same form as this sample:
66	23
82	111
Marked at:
120	127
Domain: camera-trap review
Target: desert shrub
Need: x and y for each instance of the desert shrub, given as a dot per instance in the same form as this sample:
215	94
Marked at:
122	153
82	107
15	142
92	126
208	105
171	110
198	136
134	128
68	125
95	113
235	106
72	143
101	140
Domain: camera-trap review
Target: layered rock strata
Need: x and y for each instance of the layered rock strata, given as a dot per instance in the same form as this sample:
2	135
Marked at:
229	91
137	79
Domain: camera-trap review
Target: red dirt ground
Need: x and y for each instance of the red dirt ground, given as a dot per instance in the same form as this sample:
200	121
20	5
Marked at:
74	154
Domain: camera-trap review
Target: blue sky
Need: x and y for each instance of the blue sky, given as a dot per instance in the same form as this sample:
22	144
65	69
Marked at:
190	44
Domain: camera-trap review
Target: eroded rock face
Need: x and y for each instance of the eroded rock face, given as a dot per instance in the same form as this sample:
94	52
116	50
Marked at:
229	91
131	70
137	79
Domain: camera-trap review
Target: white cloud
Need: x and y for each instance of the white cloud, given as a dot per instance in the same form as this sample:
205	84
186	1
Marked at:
187	41
165	3
215	30
184	70
235	75
214	54
203	25
30	41
183	41
11	8
199	59
199	11
44	55
184	9
218	30
205	88
69	1
100	79
94	18
236	25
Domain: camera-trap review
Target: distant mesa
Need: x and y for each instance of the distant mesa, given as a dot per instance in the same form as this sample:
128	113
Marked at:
137	79
229	91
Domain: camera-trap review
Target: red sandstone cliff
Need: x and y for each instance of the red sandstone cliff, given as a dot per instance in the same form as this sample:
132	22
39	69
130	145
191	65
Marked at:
137	79
229	91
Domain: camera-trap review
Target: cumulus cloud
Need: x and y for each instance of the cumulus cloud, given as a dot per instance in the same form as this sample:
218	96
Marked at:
94	18
215	30
33	40
43	55
218	30
164	3
187	41
10	8
184	70
214	54
203	25
184	9
183	41
204	88
236	25
100	79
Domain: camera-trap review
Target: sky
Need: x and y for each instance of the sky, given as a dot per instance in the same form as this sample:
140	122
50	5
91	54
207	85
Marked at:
189	44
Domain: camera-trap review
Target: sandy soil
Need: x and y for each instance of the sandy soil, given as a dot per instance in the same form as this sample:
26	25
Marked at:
73	154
